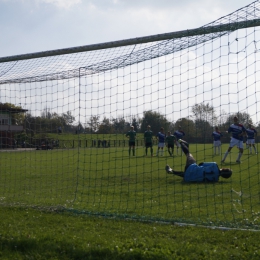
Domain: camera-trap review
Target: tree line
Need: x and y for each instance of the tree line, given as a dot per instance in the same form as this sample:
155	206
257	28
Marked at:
198	127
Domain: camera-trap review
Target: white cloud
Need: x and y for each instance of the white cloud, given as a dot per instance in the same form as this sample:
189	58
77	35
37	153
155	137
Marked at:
58	3
62	3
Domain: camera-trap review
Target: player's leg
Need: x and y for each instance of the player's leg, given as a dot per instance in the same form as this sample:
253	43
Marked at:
233	142
190	160
151	149
171	171
254	146
250	146
133	150
129	149
178	146
219	149
168	148
162	150
241	150
185	147
226	154
157	152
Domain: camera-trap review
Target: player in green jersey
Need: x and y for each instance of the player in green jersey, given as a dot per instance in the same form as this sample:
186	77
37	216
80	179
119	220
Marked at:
148	140
132	136
170	141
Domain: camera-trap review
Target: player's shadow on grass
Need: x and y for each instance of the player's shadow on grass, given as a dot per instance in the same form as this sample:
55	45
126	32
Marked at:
130	157
182	182
228	163
46	248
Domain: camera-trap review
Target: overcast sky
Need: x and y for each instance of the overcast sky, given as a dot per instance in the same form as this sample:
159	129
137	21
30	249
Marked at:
29	26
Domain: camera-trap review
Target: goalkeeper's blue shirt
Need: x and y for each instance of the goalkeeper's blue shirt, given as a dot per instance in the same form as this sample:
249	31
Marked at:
251	133
236	131
207	171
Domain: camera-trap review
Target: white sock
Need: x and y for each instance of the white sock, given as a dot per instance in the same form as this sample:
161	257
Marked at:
239	156
225	156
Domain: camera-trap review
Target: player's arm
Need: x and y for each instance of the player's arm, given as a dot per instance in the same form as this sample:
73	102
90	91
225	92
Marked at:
228	131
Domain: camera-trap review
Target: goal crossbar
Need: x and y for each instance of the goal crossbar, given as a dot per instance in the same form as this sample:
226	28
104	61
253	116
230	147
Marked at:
146	39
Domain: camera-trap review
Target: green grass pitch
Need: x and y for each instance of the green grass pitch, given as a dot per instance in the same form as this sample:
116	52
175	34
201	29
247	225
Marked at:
107	181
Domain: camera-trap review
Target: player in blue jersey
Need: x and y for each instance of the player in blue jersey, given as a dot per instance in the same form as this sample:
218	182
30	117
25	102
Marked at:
179	135
208	171
216	140
161	141
251	134
238	131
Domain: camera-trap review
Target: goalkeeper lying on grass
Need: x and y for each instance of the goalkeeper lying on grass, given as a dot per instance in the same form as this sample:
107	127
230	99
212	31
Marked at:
204	172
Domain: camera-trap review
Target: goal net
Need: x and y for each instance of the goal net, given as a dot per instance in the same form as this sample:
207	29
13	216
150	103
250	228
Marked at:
65	116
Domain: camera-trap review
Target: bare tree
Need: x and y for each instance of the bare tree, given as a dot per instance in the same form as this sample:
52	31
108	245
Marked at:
202	112
94	123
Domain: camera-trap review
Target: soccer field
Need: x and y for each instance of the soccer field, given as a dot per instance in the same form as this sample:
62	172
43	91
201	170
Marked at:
107	181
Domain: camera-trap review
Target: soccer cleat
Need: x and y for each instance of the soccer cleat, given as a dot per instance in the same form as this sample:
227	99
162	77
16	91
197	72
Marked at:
168	169
222	161
238	161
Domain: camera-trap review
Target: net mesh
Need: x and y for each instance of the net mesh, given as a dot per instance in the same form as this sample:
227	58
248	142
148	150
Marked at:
64	120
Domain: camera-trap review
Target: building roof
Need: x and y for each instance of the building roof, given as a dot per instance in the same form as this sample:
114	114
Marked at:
7	108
